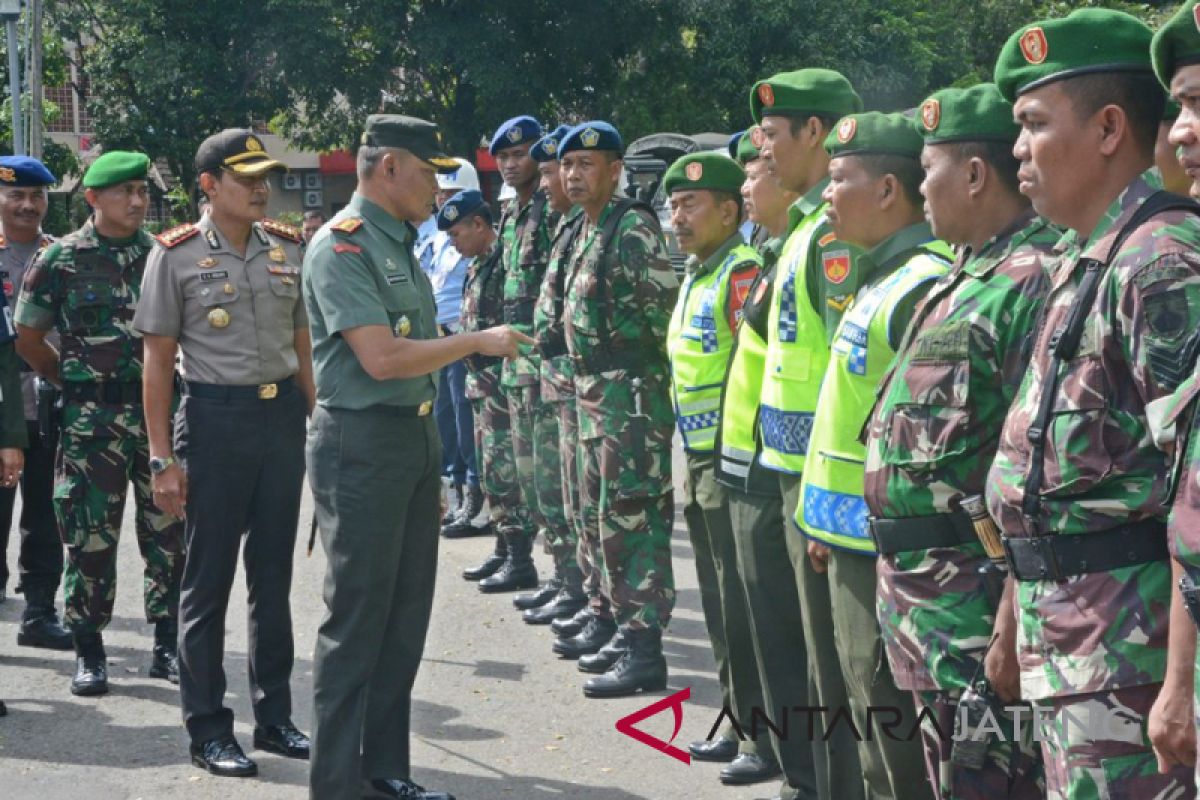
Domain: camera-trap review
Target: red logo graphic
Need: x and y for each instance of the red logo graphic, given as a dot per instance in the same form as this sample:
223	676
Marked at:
766	94
837	265
674	702
931	114
695	171
1034	46
757	137
846	129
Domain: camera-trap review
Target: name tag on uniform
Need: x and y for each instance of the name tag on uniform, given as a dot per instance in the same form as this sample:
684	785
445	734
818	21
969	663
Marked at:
282	269
220	274
398	278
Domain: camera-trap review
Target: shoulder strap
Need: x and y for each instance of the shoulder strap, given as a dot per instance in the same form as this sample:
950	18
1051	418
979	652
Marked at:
568	235
1064	342
607	233
537	212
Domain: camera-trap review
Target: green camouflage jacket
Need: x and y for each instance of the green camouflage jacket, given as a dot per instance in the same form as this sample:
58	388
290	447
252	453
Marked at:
526	253
557	374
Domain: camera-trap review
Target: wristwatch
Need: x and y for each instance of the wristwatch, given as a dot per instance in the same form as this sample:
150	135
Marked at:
159	465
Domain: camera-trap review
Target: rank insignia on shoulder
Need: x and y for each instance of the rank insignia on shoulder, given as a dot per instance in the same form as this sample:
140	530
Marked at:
827	240
282	230
346	247
348	225
178	234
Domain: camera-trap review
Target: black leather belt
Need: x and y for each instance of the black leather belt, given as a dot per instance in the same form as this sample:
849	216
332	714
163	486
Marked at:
1059	556
904	534
262	391
109	392
607	362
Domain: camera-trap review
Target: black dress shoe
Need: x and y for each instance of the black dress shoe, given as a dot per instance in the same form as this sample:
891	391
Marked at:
91	676
566	628
749	768
223	756
536	599
286	740
589	640
164	663
714	750
399	789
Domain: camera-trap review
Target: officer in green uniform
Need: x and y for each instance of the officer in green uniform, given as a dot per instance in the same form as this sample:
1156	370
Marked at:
86	287
374	459
815	280
874	203
704	194
755	504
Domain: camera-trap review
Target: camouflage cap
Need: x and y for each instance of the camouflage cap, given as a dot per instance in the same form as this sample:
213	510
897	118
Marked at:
1177	42
710	170
1086	41
819	92
977	114
874	133
116	166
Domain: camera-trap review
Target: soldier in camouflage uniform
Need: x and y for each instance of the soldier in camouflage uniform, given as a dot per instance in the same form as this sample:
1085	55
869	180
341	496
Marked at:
554	468
935	430
1077	485
620	289
86	287
524	248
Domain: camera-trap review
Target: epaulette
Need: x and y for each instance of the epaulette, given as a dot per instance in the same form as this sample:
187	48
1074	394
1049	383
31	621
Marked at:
348	225
282	230
180	233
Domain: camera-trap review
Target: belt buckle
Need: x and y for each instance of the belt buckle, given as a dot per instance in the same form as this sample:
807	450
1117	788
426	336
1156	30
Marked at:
1044	547
268	391
424	409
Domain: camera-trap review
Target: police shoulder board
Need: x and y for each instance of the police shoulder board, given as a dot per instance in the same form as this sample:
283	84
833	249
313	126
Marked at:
282	230
180	233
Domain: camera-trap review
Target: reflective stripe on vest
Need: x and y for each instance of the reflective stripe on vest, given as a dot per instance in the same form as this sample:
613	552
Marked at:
743	392
796	356
698	343
831	508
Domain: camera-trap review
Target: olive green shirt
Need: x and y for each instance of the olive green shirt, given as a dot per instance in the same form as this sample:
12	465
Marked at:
359	270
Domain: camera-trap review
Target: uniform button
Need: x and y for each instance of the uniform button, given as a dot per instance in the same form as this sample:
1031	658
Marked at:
204	292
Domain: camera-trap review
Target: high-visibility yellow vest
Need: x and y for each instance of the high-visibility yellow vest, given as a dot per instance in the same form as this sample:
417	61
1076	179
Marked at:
699	341
831	508
796	356
739	412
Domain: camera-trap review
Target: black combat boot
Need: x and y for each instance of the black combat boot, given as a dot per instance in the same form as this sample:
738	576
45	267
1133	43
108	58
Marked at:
542	595
566	628
39	624
602	661
164	658
468	510
490	564
641	668
453	493
91	665
594	635
570	599
518	571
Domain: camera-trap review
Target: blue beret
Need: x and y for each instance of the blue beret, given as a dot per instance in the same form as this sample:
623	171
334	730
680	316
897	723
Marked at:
546	148
732	145
24	171
458	208
594	135
518	130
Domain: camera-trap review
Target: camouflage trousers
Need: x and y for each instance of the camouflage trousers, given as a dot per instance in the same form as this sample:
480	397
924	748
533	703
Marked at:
1012	768
520	412
497	470
547	460
587	550
628	508
1094	747
101	451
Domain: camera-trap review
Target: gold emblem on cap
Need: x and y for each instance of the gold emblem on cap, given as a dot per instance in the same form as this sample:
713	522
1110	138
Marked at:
1034	46
694	171
590	137
228	288
514	134
277	255
7	175
766	94
218	318
931	114
206	262
403	326
846	129
550	146
757	136
253	144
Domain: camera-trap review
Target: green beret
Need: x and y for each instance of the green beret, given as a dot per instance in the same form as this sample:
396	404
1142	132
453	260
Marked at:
1084	42
978	114
749	147
710	170
805	92
116	166
1177	43
874	133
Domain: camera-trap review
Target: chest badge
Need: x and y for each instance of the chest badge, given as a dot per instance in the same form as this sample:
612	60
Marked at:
208	262
218	318
391	265
402	327
277	255
228	288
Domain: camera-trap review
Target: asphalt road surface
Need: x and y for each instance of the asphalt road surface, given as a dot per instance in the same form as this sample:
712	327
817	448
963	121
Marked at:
495	714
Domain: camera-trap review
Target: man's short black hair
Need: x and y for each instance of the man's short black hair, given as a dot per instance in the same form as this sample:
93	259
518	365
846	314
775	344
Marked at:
720	196
797	123
484	212
314	214
1138	94
997	155
907	170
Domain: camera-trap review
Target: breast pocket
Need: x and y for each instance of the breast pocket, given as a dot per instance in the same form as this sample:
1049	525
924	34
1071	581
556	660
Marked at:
89	307
403	308
212	304
936	422
1077	455
285	293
